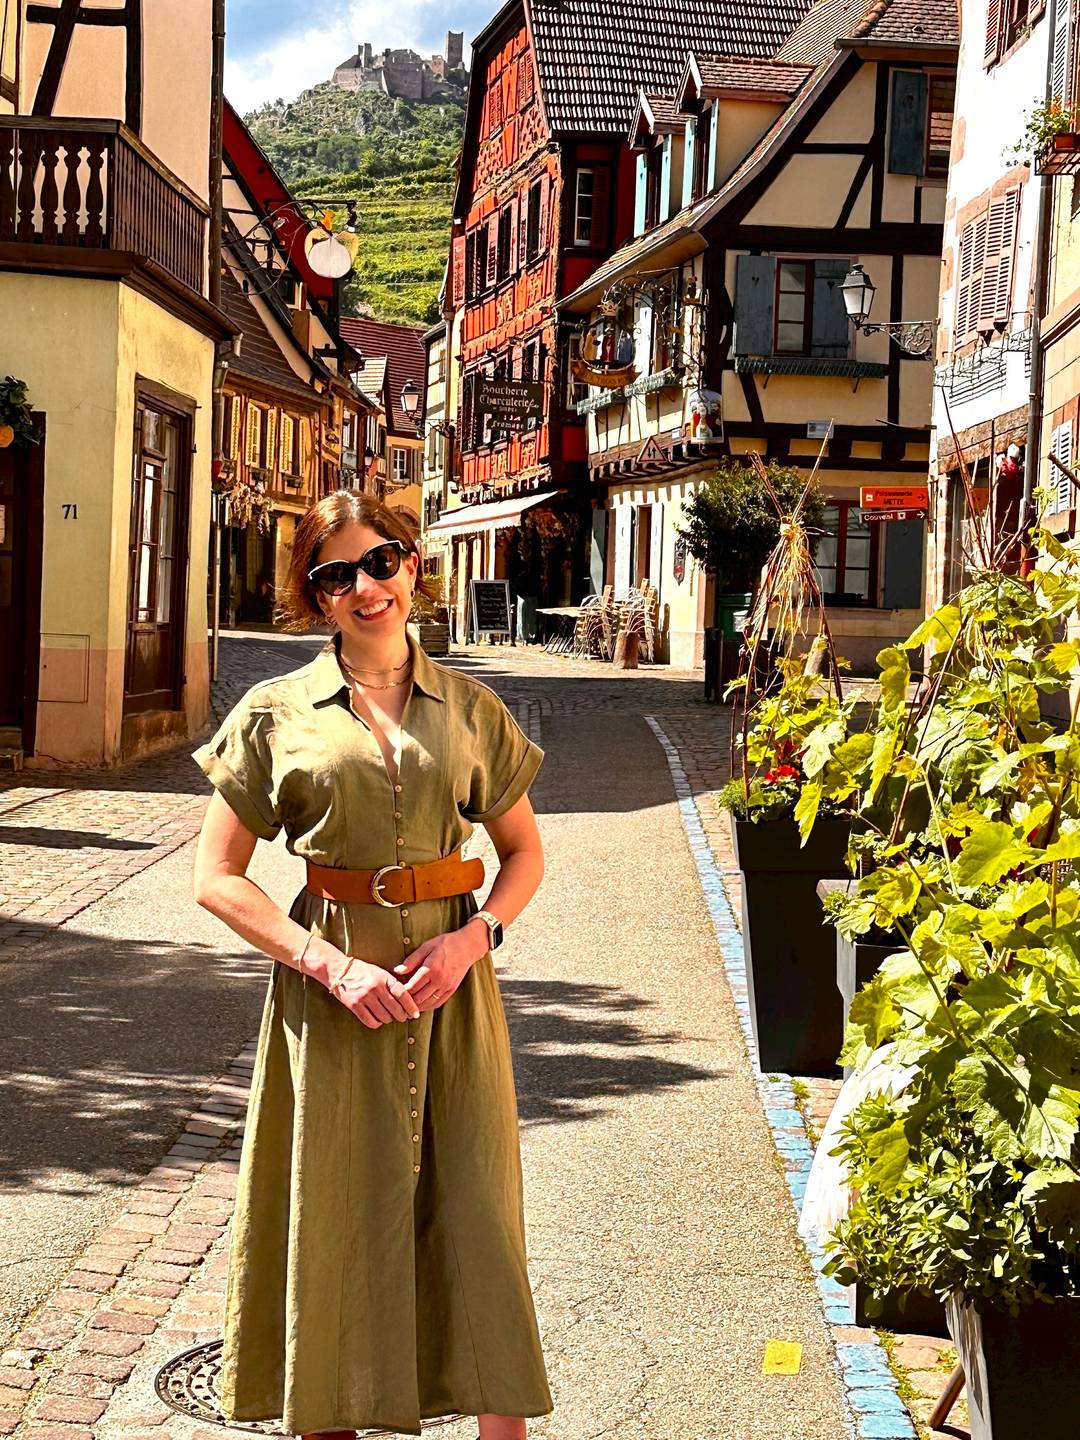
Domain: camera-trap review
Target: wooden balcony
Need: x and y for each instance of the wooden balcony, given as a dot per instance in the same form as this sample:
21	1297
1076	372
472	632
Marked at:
86	196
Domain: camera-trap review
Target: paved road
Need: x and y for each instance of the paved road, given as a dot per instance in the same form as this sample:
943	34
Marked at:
661	1235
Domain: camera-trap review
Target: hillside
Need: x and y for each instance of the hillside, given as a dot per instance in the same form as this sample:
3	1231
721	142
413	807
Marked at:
397	157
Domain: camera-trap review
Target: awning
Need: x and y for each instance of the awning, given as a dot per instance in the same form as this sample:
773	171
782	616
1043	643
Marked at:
497	515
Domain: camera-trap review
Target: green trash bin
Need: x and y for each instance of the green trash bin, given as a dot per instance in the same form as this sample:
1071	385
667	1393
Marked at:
723	644
732	613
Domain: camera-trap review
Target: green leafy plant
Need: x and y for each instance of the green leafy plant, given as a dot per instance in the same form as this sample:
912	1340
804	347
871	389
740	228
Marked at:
733	522
969	1178
16	413
1042	123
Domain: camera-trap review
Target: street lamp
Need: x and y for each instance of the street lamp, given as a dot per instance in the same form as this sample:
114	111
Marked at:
914	337
410	398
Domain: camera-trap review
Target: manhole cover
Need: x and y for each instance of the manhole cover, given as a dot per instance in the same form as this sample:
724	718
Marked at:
190	1384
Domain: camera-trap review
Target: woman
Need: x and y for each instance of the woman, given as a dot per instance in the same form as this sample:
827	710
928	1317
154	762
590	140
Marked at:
377	1273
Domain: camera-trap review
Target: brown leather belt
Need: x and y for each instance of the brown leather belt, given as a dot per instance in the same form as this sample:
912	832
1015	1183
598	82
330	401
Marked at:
396	885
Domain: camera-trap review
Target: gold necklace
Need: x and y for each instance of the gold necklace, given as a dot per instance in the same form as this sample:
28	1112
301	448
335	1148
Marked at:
364	684
363	670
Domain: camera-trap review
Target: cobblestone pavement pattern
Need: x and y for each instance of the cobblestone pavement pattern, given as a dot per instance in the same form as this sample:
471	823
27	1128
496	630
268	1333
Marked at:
662	1239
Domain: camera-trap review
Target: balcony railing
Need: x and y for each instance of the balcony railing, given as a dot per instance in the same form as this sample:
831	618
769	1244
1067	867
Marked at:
92	186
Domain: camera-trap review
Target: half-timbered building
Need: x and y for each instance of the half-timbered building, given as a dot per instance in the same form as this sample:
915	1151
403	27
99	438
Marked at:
545	194
106	254
760	184
394	358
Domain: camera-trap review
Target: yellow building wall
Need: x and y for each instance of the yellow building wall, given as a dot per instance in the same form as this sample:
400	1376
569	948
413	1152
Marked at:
740	125
85	384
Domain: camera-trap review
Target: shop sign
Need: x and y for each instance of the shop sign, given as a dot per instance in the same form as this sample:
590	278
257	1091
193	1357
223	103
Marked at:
510	404
894	497
871	517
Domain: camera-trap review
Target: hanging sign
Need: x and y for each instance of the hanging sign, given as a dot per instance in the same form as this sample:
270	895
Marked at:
871	517
490	606
509	404
894	497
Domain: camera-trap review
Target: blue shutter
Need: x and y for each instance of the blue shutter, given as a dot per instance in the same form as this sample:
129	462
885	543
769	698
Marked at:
907	124
688	160
664	209
902	588
639	193
830	328
755	285
714	146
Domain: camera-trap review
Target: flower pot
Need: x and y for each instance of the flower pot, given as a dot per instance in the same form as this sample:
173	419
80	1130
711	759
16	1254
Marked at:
1023	1371
921	1314
1064	143
434	636
790	949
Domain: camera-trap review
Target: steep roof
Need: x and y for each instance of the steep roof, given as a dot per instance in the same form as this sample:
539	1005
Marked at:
830	23
260	355
654	115
814	39
595	56
403	347
721	75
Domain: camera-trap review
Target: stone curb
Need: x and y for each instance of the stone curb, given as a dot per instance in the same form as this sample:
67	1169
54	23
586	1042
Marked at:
64	1367
875	1408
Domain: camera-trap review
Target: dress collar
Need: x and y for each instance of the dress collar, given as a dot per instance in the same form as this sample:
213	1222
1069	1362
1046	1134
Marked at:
326	682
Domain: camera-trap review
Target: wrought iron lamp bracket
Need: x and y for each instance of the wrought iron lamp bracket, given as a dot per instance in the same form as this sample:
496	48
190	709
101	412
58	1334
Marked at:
914	337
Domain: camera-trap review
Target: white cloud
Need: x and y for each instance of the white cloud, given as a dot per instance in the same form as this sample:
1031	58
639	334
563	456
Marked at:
298	61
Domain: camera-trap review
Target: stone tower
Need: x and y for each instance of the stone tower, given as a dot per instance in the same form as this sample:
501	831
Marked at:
455	49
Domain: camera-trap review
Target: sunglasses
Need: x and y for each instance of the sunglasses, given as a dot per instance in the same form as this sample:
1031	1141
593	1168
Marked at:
337	577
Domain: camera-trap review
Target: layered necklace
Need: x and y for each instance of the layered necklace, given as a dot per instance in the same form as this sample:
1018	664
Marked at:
356	674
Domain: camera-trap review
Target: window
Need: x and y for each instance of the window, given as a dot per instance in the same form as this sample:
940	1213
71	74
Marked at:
480	260
1061	490
470	266
920	122
401	470
584	195
703	130
940	123
526	79
984	272
289	445
654	162
794	307
256	436
505	243
663	321
846	558
575	389
230	427
1007	22
533	221
532	371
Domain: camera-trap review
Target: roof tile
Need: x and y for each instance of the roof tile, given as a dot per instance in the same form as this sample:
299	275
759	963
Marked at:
406	359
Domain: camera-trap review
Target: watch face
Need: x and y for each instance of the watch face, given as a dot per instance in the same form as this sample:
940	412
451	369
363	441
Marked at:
496	935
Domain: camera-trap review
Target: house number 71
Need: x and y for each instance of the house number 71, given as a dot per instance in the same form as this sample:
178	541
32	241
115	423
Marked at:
71	512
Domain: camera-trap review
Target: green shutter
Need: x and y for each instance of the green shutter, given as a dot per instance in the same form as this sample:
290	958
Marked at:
688	160
907	123
755	285
642	183
830	327
665	208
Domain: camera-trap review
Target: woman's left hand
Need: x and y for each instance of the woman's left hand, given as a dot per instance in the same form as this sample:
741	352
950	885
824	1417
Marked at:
436	968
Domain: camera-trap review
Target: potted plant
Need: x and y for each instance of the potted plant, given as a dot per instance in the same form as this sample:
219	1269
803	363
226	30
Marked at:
432	624
731	526
17	426
967	1180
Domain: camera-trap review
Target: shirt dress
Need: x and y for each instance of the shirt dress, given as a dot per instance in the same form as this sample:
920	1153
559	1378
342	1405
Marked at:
377	1273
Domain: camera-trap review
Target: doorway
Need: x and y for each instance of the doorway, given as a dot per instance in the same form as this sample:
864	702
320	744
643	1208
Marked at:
22	499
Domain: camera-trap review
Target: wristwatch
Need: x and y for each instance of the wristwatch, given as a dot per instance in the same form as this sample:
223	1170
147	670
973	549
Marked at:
494	927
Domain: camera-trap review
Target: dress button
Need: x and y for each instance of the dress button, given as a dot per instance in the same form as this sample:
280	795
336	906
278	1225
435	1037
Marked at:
397	789
412	1064
416	1169
406	939
400	841
397	814
416	1138
414	1113
404	914
412	1039
412	1089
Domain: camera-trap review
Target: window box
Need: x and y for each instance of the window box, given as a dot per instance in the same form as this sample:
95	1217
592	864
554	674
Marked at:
1059	156
810	365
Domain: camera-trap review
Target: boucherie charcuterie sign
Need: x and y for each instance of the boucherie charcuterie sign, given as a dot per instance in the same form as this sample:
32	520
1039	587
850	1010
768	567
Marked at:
510	404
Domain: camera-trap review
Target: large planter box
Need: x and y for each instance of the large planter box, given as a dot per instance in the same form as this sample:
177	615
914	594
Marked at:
790	950
1022	1371
921	1314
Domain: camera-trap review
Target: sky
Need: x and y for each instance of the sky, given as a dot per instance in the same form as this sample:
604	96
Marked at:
276	48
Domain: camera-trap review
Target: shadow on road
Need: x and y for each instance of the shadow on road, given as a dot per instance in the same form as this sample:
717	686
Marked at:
49	839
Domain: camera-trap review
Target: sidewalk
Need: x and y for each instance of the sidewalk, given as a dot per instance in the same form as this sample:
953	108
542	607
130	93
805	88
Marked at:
662	1236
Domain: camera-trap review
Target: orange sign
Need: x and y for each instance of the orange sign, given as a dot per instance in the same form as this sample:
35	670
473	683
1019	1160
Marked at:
894	497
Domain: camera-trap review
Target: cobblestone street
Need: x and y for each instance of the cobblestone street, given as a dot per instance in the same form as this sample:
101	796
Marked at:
662	1235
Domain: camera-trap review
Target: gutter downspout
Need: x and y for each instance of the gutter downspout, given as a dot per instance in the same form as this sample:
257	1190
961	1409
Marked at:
1040	280
217	413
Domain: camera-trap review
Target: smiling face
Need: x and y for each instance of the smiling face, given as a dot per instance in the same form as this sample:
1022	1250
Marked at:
373	610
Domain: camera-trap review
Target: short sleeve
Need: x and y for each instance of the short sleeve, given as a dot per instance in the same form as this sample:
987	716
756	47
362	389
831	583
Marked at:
238	762
504	761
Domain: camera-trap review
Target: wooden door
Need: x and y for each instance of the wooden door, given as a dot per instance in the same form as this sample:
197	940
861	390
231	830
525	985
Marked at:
22	483
157	561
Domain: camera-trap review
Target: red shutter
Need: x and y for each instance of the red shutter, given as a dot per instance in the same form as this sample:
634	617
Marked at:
993	32
543	229
598	233
492	249
458	288
523	228
526	86
516	252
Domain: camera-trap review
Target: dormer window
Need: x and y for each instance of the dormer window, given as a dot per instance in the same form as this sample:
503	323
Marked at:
702	133
654	160
584	192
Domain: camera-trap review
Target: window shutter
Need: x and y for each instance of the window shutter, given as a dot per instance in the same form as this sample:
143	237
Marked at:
714	146
458	290
830	328
234	427
601	196
665	208
971	279
992	48
755	283
1059	71
688	161
515	254
543	228
524	205
492	231
285	445
641	185
526	84
271	437
907	125
254	434
996	298
1061	445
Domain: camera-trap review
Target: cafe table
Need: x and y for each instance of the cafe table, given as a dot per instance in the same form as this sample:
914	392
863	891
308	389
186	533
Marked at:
558	624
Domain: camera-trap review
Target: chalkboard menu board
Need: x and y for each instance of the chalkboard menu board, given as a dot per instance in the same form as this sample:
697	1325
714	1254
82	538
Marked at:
490	606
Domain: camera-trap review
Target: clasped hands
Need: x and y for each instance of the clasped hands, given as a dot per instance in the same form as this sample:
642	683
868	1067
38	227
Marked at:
423	981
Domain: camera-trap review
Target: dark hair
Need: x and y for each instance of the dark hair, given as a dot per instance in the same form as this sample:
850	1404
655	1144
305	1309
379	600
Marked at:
297	605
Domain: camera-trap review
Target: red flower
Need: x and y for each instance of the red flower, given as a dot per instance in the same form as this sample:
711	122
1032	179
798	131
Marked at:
782	772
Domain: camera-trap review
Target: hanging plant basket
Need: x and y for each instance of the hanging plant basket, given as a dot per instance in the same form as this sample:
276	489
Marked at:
17	426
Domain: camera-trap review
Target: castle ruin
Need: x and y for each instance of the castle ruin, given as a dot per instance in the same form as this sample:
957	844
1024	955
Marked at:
404	74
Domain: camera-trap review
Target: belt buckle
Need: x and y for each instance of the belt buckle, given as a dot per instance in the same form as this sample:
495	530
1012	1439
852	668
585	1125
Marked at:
376	887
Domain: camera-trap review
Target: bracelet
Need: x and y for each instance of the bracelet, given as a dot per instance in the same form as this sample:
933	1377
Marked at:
333	986
303	952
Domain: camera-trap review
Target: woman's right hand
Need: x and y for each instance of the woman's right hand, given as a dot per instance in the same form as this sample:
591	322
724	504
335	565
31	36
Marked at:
371	993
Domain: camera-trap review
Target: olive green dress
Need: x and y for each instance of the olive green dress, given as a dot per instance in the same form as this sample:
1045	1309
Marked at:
377	1272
